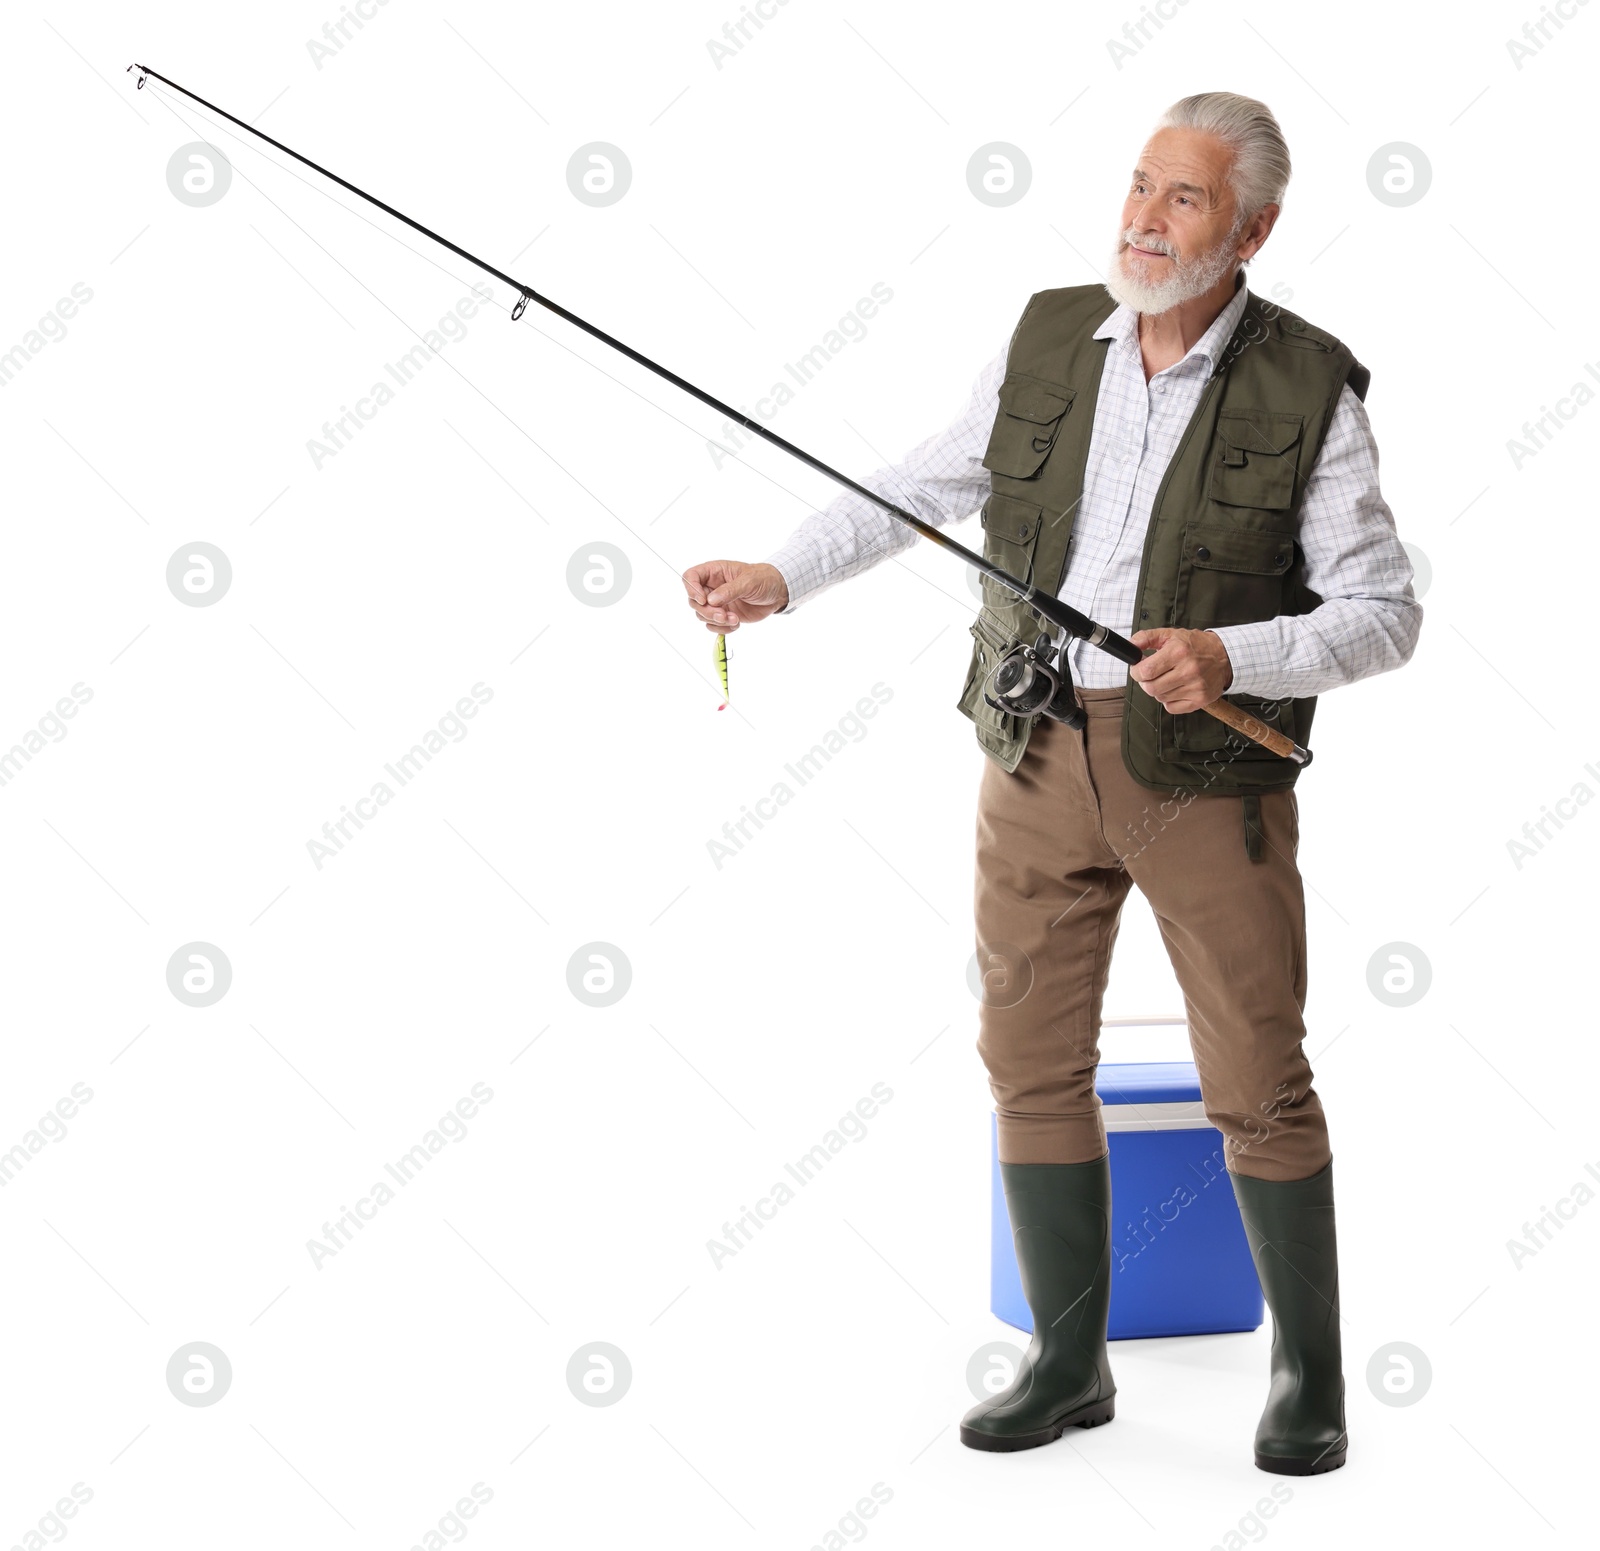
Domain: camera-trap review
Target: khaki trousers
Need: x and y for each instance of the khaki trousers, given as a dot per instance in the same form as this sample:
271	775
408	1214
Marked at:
1059	843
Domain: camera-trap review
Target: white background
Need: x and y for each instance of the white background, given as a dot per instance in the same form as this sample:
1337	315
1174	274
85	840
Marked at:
770	994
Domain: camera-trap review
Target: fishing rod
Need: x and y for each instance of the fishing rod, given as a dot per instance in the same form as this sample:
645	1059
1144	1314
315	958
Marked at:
1025	680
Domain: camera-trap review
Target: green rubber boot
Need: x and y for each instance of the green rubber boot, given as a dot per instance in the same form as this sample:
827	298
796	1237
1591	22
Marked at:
1061	1224
1289	1224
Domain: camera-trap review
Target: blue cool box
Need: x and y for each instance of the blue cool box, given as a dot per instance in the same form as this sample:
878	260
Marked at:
1180	1263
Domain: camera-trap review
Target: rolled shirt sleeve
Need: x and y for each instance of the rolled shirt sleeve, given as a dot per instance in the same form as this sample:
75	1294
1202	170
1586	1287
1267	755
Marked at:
1369	619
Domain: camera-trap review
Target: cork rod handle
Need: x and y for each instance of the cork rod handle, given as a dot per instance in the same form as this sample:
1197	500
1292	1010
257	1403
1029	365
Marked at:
1257	731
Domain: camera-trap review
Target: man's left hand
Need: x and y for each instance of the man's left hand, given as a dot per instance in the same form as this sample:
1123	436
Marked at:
1188	668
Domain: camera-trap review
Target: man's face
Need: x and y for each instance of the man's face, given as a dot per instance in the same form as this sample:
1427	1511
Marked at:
1180	222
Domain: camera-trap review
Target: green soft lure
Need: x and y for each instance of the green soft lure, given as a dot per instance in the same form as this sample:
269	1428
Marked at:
720	655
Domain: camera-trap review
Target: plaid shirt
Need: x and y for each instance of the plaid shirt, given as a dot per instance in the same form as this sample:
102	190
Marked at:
1367	623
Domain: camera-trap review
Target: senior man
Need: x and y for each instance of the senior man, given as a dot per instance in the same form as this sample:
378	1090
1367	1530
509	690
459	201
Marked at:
1192	465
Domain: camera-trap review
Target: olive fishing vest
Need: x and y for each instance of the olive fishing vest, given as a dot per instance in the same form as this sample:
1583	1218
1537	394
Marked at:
1222	544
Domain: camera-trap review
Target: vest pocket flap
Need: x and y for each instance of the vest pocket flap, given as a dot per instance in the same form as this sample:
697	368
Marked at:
1257	430
988	637
1258	551
1025	429
1254	464
1008	518
1030	399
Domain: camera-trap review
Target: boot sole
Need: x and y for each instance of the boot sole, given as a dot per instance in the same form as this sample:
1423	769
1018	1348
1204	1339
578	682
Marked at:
1317	1465
1095	1415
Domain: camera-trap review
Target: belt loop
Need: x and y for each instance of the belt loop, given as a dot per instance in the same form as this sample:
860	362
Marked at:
1252	826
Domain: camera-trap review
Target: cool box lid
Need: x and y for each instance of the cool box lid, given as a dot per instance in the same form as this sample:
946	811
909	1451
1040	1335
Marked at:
1150	1096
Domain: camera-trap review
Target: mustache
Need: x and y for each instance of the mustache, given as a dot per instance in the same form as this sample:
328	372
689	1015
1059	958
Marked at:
1153	243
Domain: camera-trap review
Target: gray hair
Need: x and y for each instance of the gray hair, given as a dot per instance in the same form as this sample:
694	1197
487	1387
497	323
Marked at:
1260	170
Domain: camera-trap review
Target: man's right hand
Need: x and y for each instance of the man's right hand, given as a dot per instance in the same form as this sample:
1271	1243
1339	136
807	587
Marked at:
730	593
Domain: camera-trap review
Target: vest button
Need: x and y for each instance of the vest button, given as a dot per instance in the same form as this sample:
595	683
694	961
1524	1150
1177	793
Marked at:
1277	559
1202	553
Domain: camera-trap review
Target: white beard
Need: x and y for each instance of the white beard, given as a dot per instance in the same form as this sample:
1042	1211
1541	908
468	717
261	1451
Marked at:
1189	278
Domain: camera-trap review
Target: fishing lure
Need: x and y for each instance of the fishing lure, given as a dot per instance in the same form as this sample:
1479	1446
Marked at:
720	657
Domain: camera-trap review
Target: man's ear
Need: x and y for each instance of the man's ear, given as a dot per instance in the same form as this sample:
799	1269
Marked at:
1257	230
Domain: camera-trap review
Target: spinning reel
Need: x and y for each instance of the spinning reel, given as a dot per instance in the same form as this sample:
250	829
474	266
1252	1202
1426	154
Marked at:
1025	682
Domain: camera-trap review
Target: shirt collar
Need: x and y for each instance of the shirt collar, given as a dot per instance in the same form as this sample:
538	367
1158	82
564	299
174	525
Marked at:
1123	326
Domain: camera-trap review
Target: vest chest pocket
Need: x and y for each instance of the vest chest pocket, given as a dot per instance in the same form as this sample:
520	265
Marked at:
1011	535
1030	415
1232	575
1254	462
